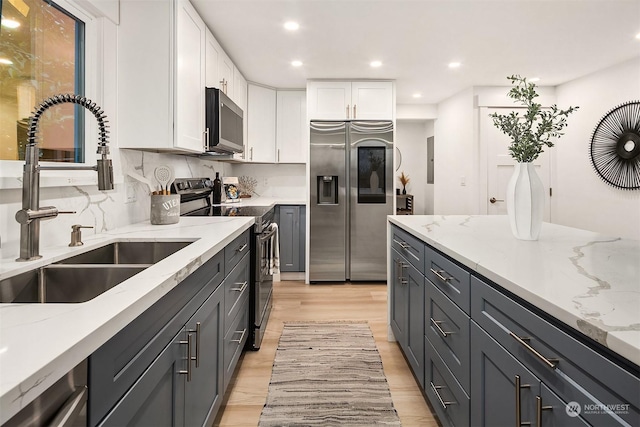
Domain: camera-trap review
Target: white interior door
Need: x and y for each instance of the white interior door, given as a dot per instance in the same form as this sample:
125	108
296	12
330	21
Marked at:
500	165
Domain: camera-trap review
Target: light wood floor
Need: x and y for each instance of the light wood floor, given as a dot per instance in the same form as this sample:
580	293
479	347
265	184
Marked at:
293	300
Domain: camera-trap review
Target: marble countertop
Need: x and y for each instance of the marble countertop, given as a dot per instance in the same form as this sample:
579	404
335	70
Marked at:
587	280
266	201
39	343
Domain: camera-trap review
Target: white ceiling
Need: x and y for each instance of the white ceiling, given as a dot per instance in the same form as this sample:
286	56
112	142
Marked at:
555	40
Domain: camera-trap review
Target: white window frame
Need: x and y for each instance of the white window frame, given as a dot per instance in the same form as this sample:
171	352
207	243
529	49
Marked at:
11	170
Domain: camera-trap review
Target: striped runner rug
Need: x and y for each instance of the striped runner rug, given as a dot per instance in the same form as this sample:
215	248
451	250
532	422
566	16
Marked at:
328	374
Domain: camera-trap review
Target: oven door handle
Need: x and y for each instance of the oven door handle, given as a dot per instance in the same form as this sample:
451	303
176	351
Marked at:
266	236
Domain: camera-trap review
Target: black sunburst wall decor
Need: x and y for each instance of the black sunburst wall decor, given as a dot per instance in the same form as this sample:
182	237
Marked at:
615	146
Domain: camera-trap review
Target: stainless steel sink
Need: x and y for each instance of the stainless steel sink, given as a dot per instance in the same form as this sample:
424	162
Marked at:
83	277
64	283
127	253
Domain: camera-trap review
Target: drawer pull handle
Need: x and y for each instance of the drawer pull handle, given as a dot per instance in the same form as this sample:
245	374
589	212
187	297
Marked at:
435	389
404	281
405	245
242	248
539	409
241	288
440	276
519	403
552	363
436	323
244	331
189	343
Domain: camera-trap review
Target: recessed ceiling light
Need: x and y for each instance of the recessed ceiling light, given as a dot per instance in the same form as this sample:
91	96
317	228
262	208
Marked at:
376	64
638	36
454	64
6	61
10	23
291	25
296	63
534	79
417	95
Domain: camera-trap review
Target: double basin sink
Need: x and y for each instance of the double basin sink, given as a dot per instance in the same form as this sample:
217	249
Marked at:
83	277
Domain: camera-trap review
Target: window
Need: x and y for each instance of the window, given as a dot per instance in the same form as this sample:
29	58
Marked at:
41	55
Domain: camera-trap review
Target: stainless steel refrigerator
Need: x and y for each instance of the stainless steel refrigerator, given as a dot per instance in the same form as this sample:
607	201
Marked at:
351	194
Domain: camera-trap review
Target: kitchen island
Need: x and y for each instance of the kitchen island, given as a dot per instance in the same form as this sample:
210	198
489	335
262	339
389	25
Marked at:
40	343
489	300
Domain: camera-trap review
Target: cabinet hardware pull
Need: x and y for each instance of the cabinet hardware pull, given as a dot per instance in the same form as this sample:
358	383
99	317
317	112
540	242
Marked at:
244	331
519	403
251	153
404	281
189	343
354	111
435	389
278	155
206	139
405	245
436	323
242	248
440	276
347	111
552	363
241	288
539	409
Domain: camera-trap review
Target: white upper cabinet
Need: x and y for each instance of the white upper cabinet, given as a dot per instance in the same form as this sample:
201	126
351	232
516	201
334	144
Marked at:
161	96
291	126
213	55
190	78
261	117
240	98
226	71
345	100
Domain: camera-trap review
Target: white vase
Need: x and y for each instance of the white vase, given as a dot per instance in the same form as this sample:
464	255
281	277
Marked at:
525	202
374	182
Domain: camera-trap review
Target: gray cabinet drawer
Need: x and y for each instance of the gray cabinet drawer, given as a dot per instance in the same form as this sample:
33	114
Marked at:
450	278
447	397
236	286
409	247
447	328
581	373
235	339
235	250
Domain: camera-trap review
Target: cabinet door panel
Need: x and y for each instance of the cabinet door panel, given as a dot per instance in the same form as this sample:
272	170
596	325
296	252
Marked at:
190	78
329	100
157	398
262	124
289	238
493	384
399	295
204	392
372	100
291	127
415	325
212	56
235	339
554	411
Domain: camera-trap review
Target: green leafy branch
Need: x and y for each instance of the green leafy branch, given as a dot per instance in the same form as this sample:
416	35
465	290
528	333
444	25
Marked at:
533	130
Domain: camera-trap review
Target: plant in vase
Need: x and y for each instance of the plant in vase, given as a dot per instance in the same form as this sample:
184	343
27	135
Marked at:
530	133
375	162
404	180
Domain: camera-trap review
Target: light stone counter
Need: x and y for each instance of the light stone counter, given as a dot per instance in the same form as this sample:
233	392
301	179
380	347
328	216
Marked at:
39	343
587	280
266	201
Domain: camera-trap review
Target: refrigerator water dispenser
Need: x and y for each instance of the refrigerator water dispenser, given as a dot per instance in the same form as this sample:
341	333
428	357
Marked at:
327	190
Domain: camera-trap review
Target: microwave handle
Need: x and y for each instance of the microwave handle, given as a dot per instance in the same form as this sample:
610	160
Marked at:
206	139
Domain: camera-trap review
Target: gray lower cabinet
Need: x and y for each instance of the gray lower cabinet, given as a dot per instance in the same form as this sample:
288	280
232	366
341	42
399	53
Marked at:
292	224
489	359
407	312
183	386
171	365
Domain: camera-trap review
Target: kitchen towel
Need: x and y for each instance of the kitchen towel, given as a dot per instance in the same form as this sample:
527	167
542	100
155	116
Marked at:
274	250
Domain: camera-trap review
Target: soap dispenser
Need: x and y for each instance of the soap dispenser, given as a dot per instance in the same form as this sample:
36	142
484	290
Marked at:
217	190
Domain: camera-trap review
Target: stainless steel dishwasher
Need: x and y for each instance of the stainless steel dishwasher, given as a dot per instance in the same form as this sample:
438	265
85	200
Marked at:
64	404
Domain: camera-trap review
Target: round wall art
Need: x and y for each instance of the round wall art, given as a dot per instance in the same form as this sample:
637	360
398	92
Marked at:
615	146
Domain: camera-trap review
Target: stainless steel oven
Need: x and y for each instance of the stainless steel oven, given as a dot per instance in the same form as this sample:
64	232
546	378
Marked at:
196	200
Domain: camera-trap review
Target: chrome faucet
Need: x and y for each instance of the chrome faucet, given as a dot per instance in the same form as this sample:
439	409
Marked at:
31	213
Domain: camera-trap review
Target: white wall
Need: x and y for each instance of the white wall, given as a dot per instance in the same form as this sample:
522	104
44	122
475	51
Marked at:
411	141
581	199
456	156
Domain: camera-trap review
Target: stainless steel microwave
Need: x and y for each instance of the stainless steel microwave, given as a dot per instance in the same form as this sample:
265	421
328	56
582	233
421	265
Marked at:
224	123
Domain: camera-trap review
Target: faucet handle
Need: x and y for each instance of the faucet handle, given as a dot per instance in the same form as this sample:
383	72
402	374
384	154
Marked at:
76	234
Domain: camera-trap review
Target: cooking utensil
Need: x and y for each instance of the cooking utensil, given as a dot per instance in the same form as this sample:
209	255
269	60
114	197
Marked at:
142	179
163	174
